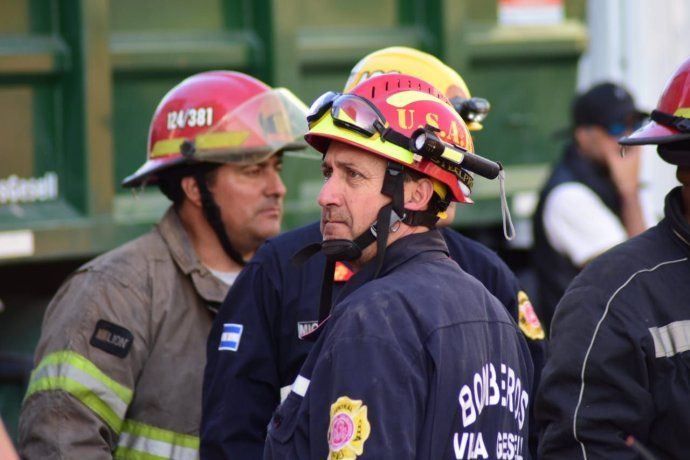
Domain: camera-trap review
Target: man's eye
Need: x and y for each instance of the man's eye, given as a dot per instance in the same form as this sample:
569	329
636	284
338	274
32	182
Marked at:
353	174
327	173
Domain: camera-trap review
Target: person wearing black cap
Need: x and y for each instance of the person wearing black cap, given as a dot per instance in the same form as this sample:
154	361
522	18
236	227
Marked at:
617	382
591	202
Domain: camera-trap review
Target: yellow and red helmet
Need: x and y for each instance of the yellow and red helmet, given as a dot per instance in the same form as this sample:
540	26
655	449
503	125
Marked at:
220	117
409	61
384	114
670	122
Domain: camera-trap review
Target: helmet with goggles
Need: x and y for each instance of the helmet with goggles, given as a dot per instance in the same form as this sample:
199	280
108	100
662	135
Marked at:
406	120
670	123
409	61
410	124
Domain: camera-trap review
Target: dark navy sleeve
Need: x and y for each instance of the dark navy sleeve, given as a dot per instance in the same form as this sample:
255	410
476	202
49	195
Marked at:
372	383
487	267
241	380
593	392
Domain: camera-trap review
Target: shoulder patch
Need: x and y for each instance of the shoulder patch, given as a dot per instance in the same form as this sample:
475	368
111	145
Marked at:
112	338
230	338
348	430
527	318
342	273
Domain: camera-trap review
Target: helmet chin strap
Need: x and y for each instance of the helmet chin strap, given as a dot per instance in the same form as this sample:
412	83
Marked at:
212	213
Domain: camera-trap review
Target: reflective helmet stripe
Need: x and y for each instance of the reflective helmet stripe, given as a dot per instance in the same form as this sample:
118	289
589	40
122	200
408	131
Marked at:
141	441
70	372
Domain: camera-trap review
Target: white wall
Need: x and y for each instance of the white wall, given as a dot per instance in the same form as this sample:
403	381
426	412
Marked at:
638	43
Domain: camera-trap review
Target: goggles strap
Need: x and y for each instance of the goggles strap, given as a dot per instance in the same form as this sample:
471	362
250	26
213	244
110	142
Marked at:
508	228
682	124
394	137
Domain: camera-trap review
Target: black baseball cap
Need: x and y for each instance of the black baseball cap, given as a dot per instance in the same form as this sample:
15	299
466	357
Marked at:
606	104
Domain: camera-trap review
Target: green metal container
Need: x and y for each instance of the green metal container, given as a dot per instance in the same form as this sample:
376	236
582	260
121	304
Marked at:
80	79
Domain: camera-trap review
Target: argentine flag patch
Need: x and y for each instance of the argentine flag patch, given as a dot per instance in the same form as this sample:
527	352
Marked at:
230	339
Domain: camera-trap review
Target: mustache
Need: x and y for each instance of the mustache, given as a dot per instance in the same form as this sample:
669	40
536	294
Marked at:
271	203
331	214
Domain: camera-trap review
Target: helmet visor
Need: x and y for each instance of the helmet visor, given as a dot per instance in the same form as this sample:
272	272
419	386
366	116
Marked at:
268	123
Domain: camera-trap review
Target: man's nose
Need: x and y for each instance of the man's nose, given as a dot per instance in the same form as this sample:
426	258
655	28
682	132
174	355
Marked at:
331	192
275	185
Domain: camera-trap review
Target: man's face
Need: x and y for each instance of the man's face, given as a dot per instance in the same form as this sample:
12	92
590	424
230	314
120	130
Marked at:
250	198
351	197
602	147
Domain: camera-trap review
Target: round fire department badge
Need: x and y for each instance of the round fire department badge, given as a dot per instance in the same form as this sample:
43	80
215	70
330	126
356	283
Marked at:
348	430
528	320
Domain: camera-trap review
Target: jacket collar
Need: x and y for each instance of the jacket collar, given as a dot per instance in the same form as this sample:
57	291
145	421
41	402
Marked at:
398	253
673	210
206	285
415	246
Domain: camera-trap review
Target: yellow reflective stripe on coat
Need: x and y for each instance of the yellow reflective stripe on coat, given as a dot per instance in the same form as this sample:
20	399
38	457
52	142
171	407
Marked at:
70	372
139	441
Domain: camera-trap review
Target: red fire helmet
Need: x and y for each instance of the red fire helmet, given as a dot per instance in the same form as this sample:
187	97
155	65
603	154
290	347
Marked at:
221	117
403	104
670	122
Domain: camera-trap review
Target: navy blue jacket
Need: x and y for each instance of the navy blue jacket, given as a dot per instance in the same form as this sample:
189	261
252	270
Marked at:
620	351
421	362
276	303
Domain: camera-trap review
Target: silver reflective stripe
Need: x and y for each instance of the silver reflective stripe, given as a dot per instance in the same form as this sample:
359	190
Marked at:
156	447
301	385
284	392
671	339
66	370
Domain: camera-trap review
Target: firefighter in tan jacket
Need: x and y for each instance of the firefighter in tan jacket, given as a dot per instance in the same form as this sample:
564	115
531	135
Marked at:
119	364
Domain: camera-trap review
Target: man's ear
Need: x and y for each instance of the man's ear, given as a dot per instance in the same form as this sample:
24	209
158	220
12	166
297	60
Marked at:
418	194
191	190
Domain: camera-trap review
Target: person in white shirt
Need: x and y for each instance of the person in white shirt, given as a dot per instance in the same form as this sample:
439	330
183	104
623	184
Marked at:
592	200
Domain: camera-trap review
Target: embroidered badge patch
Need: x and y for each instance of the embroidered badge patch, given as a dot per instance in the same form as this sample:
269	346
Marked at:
348	430
305	327
230	339
112	338
528	320
342	273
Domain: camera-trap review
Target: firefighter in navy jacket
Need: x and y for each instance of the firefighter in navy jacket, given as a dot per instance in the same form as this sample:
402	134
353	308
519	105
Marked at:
620	337
417	359
279	302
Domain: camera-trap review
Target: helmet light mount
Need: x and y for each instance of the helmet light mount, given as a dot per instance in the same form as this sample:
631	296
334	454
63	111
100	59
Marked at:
426	143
